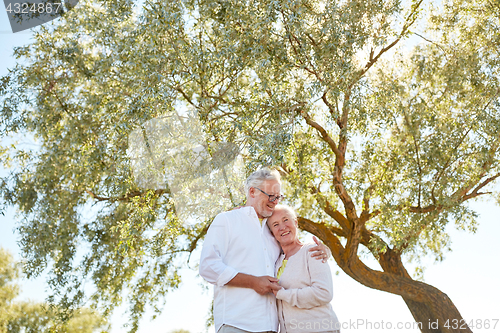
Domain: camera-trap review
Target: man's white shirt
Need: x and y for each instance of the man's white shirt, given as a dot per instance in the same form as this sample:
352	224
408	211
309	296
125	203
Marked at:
236	242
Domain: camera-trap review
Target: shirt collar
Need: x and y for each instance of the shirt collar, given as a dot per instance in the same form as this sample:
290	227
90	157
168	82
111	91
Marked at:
250	211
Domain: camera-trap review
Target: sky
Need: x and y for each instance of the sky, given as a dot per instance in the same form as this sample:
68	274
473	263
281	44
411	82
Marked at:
469	274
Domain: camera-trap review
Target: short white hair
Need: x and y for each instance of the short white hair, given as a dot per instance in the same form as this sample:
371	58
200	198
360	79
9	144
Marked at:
258	177
287	209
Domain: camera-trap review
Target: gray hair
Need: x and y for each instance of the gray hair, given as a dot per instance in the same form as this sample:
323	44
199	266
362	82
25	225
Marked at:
286	208
258	177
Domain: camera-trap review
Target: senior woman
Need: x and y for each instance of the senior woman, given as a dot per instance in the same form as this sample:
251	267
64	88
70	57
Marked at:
307	287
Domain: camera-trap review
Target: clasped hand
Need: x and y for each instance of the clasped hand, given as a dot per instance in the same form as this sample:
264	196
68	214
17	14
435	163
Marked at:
266	284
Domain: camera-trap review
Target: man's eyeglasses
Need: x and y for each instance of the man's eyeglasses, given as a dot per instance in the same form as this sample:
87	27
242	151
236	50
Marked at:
272	198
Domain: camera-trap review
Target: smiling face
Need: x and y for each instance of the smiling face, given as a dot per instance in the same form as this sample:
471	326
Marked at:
260	202
283	226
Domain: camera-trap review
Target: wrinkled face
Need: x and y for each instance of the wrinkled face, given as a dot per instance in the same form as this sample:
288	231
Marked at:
283	226
260	202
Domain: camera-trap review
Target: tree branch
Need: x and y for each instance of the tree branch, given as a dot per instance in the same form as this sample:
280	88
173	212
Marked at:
322	132
126	197
186	97
410	19
311	225
447	164
476	192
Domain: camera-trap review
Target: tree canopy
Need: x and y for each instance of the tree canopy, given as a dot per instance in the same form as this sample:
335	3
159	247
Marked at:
28	316
382	116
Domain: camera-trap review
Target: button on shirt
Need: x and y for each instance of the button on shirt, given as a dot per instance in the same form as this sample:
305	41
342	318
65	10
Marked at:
235	243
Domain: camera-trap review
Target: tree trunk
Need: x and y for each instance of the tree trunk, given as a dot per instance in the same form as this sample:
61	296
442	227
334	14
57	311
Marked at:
422	314
430	307
437	313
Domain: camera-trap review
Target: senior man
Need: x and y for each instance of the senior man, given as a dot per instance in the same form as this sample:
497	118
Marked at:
238	257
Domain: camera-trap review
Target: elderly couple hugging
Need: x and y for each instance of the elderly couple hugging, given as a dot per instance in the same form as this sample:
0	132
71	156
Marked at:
265	279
